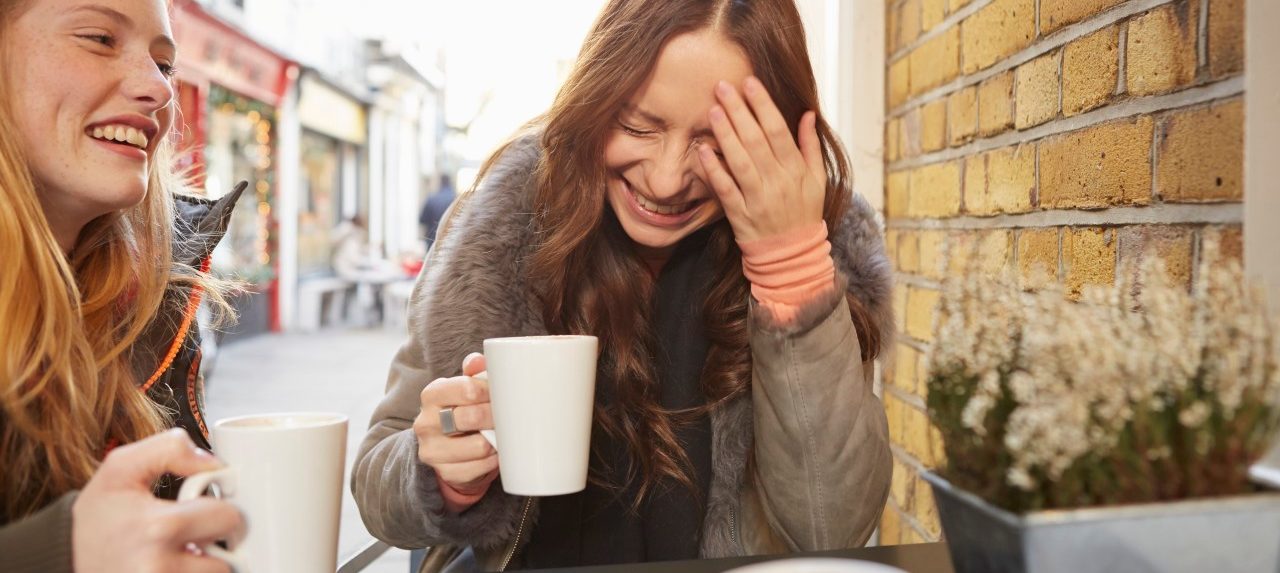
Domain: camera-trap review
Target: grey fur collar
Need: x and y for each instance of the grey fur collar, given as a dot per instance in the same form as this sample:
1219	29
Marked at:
477	290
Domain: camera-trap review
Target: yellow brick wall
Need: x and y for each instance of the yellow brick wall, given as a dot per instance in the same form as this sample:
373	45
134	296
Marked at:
1055	140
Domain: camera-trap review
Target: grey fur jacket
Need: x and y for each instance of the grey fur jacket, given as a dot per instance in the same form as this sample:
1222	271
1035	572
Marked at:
818	432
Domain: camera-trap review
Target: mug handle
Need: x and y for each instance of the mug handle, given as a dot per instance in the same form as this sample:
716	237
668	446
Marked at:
489	435
193	487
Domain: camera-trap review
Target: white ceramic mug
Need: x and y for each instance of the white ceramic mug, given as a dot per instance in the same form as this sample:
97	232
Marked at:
284	473
542	391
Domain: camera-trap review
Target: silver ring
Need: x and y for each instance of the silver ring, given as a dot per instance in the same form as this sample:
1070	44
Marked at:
447	423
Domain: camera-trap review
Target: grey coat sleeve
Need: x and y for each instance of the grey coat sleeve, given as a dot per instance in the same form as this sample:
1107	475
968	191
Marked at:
41	542
823	463
398	496
449	316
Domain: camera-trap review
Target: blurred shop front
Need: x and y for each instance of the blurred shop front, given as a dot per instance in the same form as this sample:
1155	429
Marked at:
232	91
331	179
331	184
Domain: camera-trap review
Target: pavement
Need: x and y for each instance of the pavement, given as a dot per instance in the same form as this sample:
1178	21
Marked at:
334	370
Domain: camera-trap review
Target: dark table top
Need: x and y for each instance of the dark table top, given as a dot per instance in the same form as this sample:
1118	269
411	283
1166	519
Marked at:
920	558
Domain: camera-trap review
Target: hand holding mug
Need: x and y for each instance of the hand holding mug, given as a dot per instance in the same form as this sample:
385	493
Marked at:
284	473
119	525
463	459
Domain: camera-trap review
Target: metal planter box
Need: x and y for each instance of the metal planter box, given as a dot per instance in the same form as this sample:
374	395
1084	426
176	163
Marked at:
1220	535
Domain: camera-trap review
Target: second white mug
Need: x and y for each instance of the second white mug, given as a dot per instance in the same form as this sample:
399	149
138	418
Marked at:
284	473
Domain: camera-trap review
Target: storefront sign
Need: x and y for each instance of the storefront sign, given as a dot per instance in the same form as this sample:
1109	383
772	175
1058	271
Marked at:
213	51
326	110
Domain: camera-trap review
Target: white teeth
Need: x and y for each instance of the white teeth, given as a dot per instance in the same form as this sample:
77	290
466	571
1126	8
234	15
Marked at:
136	138
661	209
123	134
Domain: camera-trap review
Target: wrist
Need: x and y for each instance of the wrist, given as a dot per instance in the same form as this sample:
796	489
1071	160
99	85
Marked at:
790	269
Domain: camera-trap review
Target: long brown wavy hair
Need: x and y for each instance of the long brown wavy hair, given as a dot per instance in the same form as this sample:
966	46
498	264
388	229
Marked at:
68	322
585	269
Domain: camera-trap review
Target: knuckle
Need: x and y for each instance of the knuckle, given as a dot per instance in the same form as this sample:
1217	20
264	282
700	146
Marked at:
155	564
114	457
422	424
426	453
162	528
467	418
430	390
228	515
177	436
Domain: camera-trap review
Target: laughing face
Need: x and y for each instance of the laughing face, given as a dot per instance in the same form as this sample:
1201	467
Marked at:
656	186
92	98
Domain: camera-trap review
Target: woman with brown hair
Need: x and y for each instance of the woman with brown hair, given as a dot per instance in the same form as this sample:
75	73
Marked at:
684	201
100	280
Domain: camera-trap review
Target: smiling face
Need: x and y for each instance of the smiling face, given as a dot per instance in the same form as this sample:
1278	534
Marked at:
656	186
91	98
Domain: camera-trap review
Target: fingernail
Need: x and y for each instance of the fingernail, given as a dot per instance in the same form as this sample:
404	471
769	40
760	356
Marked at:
716	113
751	85
201	452
722	88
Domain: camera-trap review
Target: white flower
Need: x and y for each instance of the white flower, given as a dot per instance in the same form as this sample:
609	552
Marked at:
1078	373
1019	478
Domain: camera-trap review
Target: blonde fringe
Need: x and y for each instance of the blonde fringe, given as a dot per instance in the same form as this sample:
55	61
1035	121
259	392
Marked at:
68	324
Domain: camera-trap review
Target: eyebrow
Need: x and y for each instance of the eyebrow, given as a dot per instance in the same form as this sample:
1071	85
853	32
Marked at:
662	123
124	21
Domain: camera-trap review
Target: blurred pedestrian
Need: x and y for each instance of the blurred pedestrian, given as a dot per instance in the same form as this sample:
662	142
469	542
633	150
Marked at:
434	208
101	276
685	202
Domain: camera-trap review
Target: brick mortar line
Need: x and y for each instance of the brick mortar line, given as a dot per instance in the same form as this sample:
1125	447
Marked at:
946	24
1222	89
1202	38
1049	43
911	521
908	398
906	458
914	344
1062	256
917	281
1162	214
1122	64
1115	236
1037	20
1197	252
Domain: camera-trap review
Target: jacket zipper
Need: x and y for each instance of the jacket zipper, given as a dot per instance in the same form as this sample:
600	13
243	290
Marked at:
524	517
733	529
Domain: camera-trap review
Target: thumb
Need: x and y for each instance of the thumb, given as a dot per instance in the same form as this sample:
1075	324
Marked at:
141	463
473	364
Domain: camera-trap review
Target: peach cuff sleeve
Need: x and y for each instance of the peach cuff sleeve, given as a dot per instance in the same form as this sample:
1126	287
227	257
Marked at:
456	502
789	270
